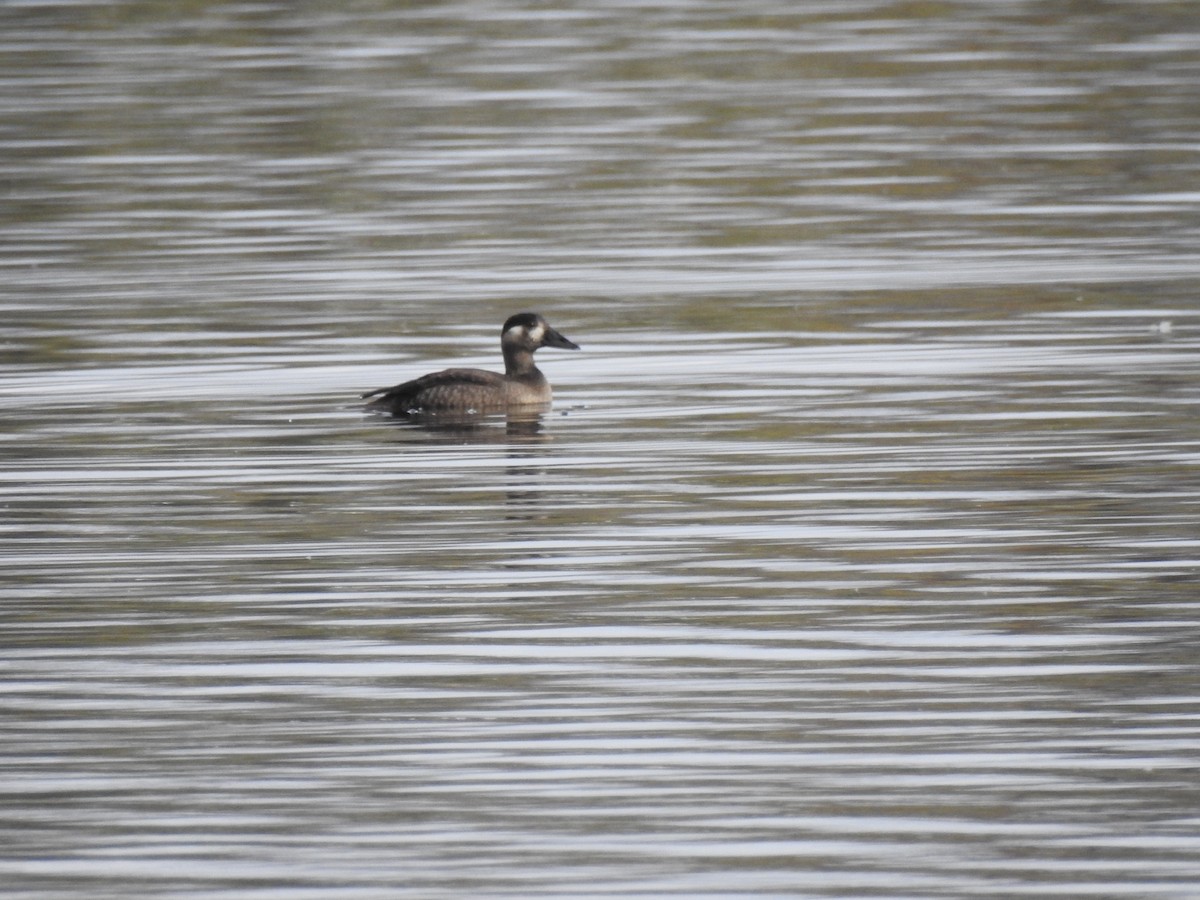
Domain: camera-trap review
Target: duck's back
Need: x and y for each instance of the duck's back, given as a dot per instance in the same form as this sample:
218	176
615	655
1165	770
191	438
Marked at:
450	390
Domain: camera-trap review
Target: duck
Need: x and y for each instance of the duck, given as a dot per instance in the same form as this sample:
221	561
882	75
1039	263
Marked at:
466	392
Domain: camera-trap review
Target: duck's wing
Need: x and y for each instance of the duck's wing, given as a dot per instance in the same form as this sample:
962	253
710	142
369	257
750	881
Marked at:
440	379
447	389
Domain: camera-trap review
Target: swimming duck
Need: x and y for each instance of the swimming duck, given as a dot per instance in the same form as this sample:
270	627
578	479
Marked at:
470	391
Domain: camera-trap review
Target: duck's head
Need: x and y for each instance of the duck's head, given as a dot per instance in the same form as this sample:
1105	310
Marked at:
529	331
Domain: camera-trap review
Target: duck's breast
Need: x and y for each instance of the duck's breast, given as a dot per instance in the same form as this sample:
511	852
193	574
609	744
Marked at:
531	389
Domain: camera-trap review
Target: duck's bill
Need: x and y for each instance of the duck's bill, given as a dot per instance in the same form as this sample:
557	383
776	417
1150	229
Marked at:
553	339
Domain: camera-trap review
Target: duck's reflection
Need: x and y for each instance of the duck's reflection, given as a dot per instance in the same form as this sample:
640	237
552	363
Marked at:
523	434
524	427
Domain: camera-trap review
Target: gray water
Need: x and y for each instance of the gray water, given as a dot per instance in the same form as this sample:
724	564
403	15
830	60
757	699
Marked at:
858	557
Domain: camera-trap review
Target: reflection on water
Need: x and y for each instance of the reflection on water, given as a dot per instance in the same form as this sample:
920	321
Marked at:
857	556
518	426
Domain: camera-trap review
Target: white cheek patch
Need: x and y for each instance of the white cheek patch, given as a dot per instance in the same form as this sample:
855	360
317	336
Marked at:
523	332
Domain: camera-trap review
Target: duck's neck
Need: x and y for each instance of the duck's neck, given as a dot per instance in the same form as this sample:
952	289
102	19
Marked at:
518	362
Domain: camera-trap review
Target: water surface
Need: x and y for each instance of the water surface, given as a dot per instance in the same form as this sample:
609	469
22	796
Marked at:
857	558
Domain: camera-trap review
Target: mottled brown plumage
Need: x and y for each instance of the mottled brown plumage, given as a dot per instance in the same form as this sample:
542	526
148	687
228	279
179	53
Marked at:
472	391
